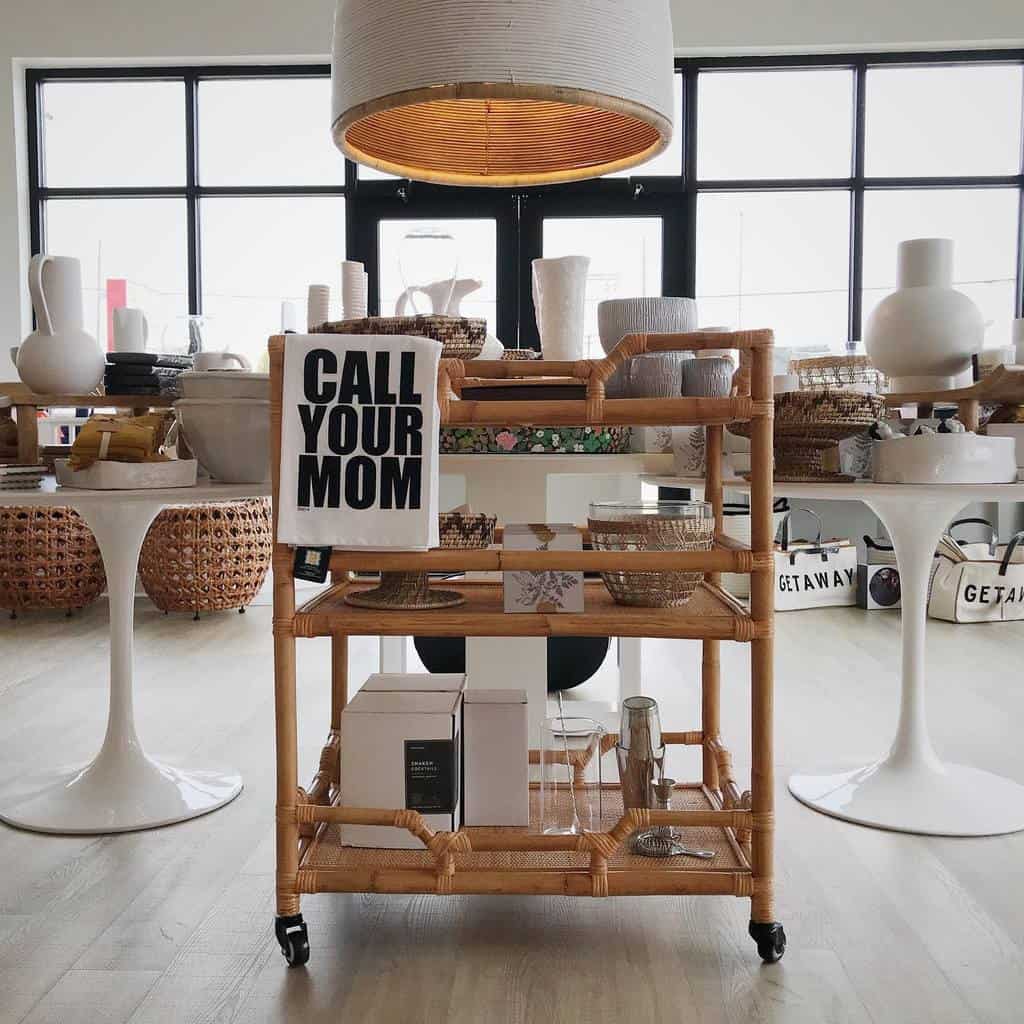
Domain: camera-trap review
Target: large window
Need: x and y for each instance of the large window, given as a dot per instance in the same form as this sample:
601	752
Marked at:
216	193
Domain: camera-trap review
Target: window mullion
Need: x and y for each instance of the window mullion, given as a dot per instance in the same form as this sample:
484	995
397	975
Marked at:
195	286
856	296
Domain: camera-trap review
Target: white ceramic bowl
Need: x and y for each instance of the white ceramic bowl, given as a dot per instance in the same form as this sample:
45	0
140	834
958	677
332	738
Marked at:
230	436
1014	430
225	384
652	315
945	459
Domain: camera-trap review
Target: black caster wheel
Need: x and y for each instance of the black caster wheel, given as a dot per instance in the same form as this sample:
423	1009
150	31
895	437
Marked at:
770	937
294	939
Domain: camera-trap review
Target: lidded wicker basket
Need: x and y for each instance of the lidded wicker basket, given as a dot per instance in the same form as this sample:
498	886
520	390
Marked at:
652	526
207	557
48	559
411	591
839	372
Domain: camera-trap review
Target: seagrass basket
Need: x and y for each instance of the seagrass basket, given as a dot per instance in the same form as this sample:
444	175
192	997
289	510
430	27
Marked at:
651	526
462	337
207	557
411	591
808	428
48	559
838	373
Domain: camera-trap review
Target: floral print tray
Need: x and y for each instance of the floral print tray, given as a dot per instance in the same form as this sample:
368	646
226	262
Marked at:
535	440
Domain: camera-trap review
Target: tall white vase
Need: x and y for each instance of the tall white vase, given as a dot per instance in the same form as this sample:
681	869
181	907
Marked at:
559	294
60	357
923	335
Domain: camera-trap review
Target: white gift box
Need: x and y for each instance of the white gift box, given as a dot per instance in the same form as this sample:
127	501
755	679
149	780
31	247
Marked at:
400	749
496	770
548	591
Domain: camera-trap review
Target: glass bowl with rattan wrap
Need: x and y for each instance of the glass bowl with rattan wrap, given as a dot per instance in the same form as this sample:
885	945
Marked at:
651	526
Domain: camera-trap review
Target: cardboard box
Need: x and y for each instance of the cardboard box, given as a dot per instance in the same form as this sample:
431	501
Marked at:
401	749
496	770
551	591
415	682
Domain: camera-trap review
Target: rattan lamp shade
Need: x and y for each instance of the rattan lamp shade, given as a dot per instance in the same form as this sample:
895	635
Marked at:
491	92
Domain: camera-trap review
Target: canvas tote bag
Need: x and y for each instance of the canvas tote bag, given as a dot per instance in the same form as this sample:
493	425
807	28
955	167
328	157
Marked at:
980	589
813	574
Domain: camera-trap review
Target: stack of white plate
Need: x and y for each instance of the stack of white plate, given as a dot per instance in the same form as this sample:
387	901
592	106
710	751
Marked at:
21	478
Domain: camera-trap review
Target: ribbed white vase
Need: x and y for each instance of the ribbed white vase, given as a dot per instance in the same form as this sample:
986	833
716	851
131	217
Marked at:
559	296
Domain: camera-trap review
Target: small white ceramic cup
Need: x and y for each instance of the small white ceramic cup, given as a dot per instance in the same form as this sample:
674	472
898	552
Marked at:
221	361
131	330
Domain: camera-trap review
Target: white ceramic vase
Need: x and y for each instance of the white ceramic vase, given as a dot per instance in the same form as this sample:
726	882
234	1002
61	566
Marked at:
60	357
559	294
131	330
924	334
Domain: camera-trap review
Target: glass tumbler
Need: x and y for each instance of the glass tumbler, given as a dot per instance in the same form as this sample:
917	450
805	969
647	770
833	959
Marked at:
570	776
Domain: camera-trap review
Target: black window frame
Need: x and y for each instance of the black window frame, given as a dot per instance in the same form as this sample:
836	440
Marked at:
519	213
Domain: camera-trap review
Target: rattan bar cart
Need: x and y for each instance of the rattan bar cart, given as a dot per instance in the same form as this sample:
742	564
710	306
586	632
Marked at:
714	811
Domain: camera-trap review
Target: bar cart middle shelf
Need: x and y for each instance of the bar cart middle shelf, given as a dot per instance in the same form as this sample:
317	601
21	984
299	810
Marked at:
714	812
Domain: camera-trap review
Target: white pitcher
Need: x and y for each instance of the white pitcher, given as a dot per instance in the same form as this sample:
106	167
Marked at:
60	357
131	330
559	294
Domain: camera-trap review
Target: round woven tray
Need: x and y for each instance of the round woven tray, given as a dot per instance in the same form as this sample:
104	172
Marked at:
411	591
48	559
652	533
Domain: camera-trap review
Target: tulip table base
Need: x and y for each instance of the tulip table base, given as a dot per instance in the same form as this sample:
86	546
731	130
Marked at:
122	788
911	789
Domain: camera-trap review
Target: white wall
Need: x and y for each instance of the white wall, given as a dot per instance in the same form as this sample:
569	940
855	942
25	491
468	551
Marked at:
35	32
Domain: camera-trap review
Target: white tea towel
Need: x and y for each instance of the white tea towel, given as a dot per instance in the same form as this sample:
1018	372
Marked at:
359	442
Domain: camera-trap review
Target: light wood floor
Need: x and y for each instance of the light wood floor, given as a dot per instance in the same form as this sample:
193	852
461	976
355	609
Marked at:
174	925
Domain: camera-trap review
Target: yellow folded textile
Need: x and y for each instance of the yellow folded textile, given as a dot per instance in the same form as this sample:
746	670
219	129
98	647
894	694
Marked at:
119	439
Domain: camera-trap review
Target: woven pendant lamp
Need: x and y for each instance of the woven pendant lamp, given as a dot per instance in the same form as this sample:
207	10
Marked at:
502	92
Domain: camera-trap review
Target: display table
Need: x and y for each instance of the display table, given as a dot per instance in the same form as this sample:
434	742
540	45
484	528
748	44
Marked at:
122	788
911	789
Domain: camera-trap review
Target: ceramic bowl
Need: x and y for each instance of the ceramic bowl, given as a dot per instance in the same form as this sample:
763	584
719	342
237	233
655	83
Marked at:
225	384
1013	430
652	315
230	436
945	459
655	374
707	378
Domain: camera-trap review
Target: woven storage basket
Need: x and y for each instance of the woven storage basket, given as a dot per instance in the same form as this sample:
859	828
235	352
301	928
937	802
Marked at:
826	372
808	427
411	591
207	557
462	337
652	533
48	559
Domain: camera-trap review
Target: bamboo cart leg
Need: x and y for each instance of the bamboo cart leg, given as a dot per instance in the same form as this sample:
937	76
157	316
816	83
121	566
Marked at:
764	929
289	928
710	662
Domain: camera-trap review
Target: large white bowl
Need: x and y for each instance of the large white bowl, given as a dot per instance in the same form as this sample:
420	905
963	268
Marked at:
654	314
230	436
225	384
945	459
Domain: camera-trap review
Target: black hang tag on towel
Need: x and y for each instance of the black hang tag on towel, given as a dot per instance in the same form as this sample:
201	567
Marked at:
312	564
430	777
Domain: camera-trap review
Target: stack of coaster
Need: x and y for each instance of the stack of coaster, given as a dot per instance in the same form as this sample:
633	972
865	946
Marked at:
21	478
144	373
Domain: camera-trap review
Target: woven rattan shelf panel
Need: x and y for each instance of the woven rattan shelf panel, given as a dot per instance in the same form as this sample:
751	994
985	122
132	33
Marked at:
709	613
327	853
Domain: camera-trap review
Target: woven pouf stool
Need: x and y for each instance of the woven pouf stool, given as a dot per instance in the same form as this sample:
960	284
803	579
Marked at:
48	559
208	557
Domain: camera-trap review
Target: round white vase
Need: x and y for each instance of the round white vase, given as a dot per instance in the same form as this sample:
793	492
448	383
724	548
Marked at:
924	334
